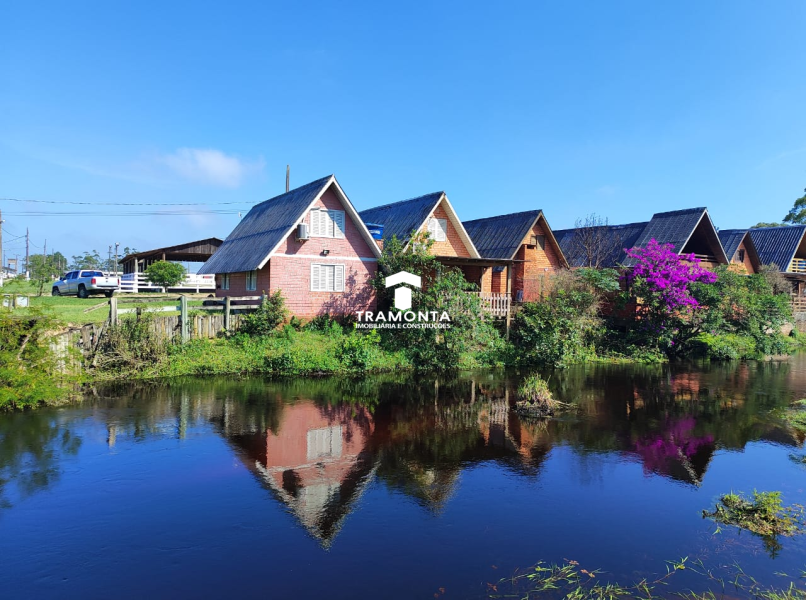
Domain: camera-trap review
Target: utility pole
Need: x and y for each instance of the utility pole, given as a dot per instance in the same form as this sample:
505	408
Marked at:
287	177
109	260
117	244
27	253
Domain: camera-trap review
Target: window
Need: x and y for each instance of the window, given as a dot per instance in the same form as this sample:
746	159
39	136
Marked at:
539	240
327	223
741	254
225	281
327	278
438	229
251	281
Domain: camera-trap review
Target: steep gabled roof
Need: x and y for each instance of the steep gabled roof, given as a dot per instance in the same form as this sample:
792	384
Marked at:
501	236
731	239
777	244
614	238
401	218
263	229
676	228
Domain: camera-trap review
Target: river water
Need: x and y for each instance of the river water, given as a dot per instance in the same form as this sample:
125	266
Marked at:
393	486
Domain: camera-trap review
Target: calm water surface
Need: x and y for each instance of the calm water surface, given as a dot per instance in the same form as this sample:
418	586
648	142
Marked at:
391	487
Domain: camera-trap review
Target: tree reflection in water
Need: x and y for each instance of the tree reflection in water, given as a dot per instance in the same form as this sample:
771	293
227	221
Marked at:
317	444
31	447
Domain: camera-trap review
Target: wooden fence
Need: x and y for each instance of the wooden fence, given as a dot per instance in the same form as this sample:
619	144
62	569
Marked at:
497	305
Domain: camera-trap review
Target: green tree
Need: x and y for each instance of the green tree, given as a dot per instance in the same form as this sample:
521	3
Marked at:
165	274
43	270
443	289
88	260
797	214
763	224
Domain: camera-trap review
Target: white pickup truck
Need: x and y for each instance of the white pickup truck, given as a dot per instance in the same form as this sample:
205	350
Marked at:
84	283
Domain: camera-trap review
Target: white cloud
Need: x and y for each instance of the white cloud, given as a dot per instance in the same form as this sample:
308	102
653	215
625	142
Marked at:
209	166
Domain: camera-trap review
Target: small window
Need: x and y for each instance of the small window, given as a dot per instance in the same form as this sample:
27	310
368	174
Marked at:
327	223
251	281
327	278
539	240
438	229
225	281
741	254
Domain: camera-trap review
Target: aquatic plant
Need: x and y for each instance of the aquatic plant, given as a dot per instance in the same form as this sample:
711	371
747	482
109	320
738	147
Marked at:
535	398
764	515
569	580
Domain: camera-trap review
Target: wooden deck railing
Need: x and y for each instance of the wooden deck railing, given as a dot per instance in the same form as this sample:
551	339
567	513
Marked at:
496	305
798	265
798	303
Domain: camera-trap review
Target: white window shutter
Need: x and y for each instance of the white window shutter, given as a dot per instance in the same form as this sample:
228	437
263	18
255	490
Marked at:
339	276
442	229
314	223
338	221
432	228
330	273
315	274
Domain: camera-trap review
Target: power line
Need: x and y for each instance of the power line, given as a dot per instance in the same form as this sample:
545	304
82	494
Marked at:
120	203
163	213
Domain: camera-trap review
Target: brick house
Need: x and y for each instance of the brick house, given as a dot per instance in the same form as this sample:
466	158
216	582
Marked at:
326	271
689	231
526	240
740	250
453	246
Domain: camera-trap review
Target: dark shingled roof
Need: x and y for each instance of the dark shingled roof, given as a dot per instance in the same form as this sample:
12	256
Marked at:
673	227
263	227
616	238
730	240
501	236
777	244
401	218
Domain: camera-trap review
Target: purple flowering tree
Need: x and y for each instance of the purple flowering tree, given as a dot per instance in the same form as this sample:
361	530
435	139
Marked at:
663	283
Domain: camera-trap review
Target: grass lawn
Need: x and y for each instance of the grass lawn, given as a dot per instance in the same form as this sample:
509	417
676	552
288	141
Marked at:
71	310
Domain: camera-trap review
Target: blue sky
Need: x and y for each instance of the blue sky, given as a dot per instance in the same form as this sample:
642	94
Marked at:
619	108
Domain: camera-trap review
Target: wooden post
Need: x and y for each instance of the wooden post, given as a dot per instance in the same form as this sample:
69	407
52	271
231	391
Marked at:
227	314
183	317
509	297
113	310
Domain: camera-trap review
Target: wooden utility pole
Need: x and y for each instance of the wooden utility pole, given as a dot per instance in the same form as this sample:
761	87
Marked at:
27	252
287	177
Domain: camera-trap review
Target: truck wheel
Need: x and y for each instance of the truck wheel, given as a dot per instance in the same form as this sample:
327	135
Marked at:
55	292
108	294
82	292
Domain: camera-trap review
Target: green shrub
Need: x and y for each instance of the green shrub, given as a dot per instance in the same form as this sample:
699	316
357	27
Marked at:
131	344
354	351
535	390
726	346
266	318
29	370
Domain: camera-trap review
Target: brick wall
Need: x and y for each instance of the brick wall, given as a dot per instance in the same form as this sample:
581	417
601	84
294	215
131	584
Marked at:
292	275
237	284
453	246
532	275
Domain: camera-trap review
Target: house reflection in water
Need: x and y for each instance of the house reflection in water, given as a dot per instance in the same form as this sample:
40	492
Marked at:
316	462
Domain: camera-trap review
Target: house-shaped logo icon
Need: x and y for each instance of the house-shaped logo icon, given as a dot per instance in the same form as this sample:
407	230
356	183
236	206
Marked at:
403	293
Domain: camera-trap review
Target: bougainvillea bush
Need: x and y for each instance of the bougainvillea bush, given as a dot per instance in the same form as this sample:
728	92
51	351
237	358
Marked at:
683	309
663	284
